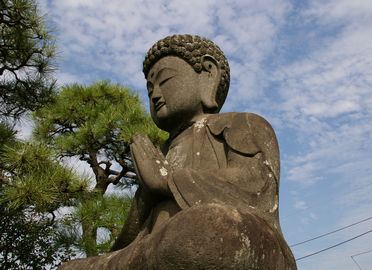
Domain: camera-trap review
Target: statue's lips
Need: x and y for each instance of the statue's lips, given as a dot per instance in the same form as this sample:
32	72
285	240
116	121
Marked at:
159	105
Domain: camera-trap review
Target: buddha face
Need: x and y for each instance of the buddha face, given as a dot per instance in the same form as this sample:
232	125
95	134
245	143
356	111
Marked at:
174	90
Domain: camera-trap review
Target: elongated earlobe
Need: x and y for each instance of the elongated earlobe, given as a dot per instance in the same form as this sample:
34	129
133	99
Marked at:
211	76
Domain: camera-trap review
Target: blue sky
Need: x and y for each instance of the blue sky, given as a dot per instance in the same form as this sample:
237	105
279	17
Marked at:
306	66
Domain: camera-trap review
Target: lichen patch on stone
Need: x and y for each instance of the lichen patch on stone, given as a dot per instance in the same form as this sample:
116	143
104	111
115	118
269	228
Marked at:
272	210
245	240
163	171
200	124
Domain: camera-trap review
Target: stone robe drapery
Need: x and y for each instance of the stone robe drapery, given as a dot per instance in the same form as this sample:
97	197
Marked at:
224	189
233	159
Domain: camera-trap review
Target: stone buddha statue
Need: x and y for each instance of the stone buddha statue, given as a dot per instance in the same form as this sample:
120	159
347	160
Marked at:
209	198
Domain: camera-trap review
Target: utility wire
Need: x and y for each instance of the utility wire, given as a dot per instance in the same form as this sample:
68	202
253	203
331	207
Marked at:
365	252
336	245
328	233
357	264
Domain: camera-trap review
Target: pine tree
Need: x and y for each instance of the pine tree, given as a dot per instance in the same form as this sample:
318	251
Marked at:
27	53
95	124
33	186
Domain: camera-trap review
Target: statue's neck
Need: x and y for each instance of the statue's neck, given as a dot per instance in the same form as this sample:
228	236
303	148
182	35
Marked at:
174	132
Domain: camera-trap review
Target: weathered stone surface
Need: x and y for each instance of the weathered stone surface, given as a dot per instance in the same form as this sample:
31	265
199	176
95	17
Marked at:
209	199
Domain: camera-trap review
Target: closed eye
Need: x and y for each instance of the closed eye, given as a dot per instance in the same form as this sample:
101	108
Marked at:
165	80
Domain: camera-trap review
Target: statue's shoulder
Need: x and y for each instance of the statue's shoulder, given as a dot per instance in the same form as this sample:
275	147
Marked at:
247	133
239	122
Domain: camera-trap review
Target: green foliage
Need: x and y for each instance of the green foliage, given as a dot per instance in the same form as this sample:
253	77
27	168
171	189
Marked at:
33	185
107	213
27	242
35	179
26	58
101	117
7	135
37	184
96	123
90	122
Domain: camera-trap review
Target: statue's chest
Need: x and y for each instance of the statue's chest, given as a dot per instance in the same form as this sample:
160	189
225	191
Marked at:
192	150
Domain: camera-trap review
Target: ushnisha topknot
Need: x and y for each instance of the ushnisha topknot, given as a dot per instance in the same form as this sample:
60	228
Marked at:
191	48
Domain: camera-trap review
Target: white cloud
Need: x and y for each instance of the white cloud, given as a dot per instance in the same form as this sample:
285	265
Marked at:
67	78
111	39
24	127
300	205
326	97
332	10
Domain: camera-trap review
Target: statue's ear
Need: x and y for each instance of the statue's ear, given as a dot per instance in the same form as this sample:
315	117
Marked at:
211	76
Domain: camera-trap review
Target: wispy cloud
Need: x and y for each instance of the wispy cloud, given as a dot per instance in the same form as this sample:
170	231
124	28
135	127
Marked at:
326	97
300	205
111	39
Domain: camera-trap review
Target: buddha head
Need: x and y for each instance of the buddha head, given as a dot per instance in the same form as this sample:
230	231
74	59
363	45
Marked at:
187	76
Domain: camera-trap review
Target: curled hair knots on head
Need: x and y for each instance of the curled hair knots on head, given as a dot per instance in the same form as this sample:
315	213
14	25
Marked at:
191	48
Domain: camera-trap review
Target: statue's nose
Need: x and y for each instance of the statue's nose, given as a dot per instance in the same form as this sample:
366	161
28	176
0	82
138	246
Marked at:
156	95
155	99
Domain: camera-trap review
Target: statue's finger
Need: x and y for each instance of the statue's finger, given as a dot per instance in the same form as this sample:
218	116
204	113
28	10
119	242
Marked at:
152	150
136	161
143	149
143	159
136	138
147	146
137	154
134	153
159	154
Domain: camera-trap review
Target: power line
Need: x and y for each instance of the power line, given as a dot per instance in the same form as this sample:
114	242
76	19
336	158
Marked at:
328	233
357	264
365	252
336	245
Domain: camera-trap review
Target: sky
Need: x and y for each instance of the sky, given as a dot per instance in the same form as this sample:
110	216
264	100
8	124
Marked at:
306	66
